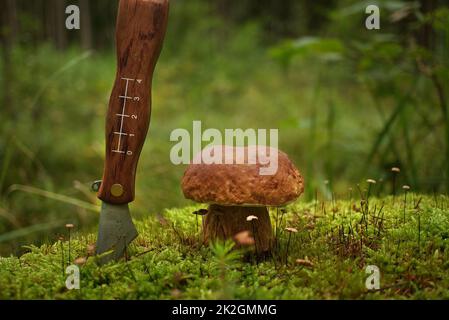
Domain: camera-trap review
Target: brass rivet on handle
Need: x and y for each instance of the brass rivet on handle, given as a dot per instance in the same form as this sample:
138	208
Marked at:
117	190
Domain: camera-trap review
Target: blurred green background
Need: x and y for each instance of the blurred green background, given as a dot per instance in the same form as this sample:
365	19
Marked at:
350	103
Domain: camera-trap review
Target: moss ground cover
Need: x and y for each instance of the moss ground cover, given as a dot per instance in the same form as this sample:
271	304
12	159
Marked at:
325	259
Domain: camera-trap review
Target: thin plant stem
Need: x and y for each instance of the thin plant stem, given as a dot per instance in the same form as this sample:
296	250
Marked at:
255	239
419	232
70	248
277	227
405	203
62	258
288	245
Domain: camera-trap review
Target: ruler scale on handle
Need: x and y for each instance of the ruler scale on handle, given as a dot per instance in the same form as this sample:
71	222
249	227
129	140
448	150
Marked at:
140	31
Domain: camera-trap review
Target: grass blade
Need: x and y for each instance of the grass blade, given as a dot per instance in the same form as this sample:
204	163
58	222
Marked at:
55	196
23	232
57	73
388	125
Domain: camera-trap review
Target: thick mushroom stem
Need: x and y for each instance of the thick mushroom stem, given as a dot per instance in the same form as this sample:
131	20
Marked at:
224	222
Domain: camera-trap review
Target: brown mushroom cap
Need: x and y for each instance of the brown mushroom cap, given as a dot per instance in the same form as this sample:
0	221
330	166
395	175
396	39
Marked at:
241	183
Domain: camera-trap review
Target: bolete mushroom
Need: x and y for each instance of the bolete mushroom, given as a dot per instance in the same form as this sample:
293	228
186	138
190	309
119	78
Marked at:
237	191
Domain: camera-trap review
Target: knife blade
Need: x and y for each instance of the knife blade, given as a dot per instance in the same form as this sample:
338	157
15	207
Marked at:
140	32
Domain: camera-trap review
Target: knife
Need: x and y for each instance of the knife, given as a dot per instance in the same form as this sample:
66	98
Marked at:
140	31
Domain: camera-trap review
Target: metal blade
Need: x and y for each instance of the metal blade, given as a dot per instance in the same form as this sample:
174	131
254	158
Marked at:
116	231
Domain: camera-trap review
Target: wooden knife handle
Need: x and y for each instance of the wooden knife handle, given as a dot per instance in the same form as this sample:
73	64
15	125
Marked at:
140	31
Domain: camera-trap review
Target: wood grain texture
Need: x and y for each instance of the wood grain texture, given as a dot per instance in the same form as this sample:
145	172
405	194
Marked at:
140	31
224	222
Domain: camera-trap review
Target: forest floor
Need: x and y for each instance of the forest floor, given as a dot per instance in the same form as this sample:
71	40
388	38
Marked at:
326	259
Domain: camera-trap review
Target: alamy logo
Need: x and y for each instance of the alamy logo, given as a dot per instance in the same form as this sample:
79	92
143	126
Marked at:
73	20
373	280
212	154
373	20
73	280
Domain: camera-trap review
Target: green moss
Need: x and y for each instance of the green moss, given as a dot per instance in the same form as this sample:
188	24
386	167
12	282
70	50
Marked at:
167	261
